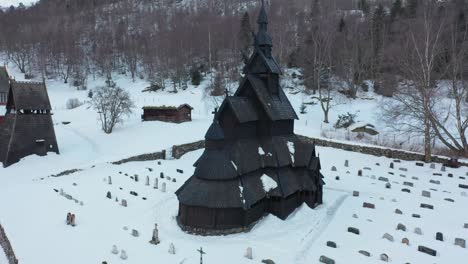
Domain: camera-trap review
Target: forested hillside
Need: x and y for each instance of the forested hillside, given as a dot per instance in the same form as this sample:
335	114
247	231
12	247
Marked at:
413	51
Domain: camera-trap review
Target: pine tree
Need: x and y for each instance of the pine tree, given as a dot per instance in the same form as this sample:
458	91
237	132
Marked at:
363	5
245	37
411	8
378	21
397	9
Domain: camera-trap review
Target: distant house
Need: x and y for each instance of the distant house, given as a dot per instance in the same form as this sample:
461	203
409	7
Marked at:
180	114
27	128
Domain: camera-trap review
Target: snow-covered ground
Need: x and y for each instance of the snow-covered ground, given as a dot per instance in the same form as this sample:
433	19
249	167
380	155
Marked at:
34	213
8	3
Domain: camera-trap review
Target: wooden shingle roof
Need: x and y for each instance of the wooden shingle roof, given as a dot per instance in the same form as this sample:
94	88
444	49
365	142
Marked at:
4	80
30	95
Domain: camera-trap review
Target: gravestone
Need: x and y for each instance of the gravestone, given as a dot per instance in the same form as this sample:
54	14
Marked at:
434	181
115	251
365	253
346	163
172	250
155	183
416	215
391	165
333	168
135	233
426	194
449	200
72	220
356	193
337	178
147	181
109	180
388	237
384	179
432	166
68	221
355	216
401	227
443	168
331	244
460	242
124	202
368	205
439	236
406	190
388	185
410	184
174	180
163	187
123	255
155	238
384	257
136	177
180	171
359	173
419	164
248	253
418	231
405	241
403	169
353	230
427	250
161	175
398	211
326	260
427	206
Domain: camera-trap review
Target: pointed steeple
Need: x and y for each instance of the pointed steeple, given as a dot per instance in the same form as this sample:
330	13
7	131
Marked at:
263	39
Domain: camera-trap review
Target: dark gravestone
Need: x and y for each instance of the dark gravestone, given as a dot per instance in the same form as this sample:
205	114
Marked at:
180	171
359	173
174	180
434	182
416	215
391	165
427	206
337	178
161	175
398	211
368	205
419	164
333	168
437	174
439	236
450	175
401	227
355	193
353	230
367	168
109	195
406	190
383	179
427	250
133	193
410	184
449	200
403	169
365	253
326	260
268	261
426	194
331	244
388	185
463	186
397	161
460	242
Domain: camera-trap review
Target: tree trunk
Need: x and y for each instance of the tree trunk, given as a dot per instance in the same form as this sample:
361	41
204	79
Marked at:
427	140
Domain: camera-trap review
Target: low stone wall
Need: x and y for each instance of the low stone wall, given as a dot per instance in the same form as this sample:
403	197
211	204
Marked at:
7	248
143	157
376	150
180	150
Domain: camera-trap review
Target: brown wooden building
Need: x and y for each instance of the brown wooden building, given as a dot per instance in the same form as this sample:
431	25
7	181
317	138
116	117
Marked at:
28	128
4	86
180	114
253	163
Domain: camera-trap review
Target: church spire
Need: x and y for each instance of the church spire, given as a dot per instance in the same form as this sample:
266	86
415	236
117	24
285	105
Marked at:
263	39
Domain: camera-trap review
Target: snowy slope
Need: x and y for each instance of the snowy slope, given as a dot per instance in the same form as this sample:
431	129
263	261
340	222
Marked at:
8	3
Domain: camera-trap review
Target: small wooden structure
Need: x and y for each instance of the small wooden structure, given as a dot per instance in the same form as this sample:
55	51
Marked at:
180	114
28	128
253	163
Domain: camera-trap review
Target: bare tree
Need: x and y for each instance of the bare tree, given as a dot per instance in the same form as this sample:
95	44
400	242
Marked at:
112	103
414	100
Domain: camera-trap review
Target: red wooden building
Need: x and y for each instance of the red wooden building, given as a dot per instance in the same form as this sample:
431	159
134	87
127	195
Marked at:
173	114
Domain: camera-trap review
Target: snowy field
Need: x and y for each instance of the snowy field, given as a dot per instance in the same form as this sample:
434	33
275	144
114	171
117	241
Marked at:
33	211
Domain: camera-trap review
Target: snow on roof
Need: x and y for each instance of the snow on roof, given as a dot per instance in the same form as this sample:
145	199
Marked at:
268	183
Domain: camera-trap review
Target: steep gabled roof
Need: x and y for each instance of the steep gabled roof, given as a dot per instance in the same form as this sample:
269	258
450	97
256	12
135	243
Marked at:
277	106
270	63
30	95
215	132
4	80
243	108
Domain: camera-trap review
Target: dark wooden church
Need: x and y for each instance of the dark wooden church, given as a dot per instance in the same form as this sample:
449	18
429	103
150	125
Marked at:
27	128
253	163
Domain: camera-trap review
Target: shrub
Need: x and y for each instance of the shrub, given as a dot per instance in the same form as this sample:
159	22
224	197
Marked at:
196	77
346	120
73	103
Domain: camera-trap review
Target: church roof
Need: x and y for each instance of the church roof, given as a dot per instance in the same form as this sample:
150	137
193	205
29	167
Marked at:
30	95
4	80
277	106
215	132
243	108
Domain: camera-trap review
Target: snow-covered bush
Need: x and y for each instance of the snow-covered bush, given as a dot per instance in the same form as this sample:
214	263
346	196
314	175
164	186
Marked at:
73	103
345	120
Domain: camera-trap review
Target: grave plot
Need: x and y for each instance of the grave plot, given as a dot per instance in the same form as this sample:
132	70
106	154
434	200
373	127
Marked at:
375	210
